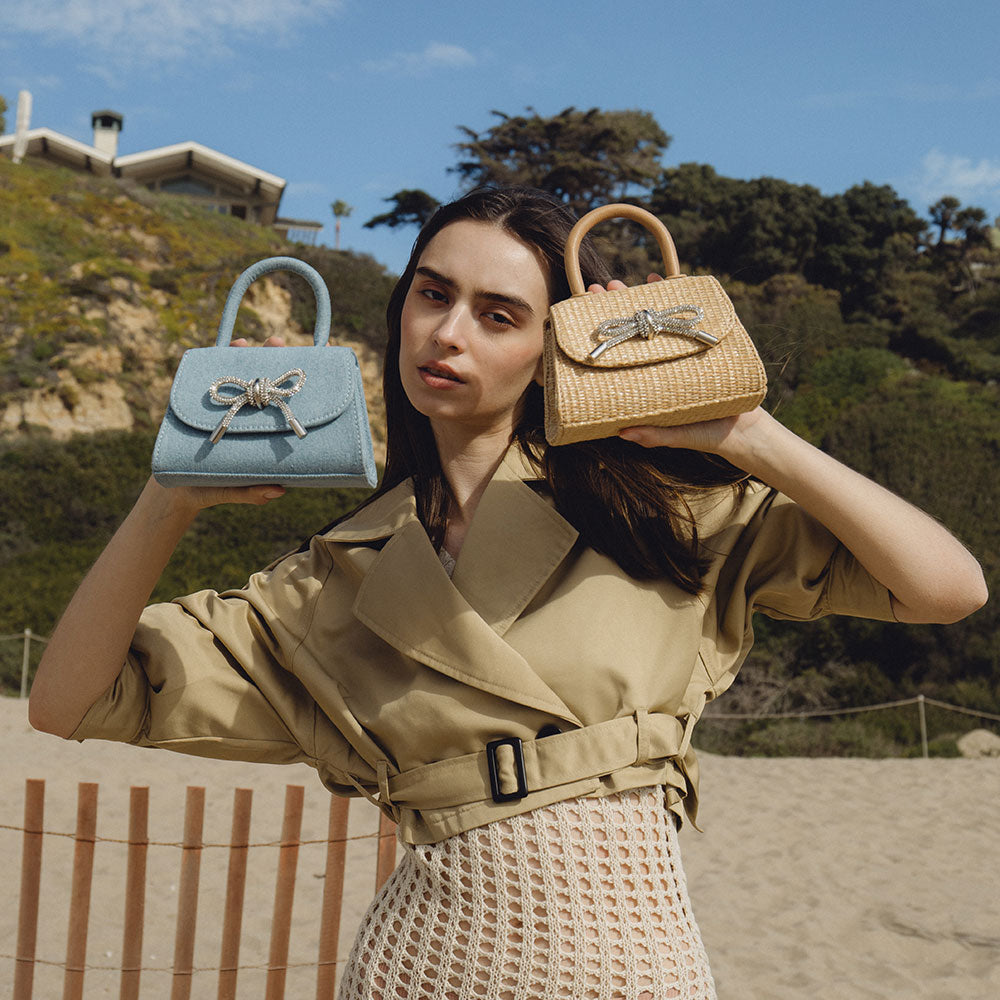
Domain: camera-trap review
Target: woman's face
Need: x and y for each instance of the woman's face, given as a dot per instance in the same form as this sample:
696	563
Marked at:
471	328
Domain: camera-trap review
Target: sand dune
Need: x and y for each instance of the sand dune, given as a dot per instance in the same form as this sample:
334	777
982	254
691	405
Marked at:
818	879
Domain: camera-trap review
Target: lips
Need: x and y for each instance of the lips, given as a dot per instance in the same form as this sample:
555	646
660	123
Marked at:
436	370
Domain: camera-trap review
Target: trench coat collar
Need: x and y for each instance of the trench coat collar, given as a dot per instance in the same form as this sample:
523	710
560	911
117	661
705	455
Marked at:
456	625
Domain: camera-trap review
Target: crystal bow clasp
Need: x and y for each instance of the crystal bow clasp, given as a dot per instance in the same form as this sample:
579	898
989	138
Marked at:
259	392
684	320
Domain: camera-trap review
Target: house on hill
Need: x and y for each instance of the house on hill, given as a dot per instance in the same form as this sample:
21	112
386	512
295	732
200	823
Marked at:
218	182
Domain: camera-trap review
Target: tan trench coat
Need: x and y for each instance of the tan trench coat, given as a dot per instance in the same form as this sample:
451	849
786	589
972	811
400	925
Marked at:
362	658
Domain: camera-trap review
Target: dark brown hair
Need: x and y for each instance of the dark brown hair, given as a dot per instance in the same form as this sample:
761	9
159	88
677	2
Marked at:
627	502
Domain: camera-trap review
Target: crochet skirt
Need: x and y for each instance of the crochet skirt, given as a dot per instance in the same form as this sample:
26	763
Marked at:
583	900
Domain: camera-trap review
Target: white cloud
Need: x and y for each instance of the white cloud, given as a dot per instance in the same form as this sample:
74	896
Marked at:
973	183
158	29
436	55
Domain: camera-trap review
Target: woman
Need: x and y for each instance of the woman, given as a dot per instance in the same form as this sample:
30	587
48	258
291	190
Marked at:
507	646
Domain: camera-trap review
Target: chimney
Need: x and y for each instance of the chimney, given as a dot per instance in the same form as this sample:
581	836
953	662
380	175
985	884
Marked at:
107	125
23	122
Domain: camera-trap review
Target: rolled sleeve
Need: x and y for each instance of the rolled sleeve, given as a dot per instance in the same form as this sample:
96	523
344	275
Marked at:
214	691
774	557
797	569
213	674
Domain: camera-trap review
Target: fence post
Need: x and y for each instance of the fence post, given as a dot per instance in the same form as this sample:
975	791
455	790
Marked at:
135	892
25	663
84	842
31	873
187	895
923	724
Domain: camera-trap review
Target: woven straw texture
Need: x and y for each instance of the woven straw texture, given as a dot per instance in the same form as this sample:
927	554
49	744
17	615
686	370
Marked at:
667	380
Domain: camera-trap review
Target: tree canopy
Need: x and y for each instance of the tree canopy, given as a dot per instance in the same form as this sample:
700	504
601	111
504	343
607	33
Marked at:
584	158
410	207
755	229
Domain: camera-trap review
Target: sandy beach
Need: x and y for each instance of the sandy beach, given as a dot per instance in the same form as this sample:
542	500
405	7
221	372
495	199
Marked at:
820	879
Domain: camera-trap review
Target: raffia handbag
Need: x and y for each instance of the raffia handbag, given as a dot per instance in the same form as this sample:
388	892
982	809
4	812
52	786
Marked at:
665	353
241	416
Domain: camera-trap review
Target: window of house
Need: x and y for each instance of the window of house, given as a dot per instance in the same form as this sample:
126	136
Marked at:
187	184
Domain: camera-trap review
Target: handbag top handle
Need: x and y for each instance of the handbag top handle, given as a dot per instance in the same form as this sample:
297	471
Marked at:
617	211
321	332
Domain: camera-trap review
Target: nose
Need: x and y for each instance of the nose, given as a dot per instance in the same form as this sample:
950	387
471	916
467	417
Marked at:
450	332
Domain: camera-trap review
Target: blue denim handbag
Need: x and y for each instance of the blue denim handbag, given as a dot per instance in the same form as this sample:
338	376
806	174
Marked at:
240	416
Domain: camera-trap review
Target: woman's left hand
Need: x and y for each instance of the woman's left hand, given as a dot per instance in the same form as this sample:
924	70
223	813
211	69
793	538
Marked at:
730	437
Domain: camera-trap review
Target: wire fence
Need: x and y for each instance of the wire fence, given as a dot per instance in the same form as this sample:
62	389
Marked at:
920	700
28	655
130	880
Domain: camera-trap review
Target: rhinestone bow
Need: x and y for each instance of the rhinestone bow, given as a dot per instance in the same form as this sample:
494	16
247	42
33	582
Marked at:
260	392
647	322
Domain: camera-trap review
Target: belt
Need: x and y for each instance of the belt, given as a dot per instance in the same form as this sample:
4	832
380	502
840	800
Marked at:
510	768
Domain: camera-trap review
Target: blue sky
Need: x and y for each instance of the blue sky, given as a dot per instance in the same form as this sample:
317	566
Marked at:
353	100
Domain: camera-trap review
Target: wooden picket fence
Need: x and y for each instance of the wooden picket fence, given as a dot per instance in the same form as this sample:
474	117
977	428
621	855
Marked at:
183	969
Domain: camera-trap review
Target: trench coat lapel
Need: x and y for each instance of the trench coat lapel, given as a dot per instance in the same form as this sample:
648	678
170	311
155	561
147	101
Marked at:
456	625
513	545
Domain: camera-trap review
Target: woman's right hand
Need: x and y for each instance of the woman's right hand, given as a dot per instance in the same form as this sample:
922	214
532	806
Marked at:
191	499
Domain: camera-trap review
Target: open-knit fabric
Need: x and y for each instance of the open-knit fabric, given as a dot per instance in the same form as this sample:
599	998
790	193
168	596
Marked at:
582	900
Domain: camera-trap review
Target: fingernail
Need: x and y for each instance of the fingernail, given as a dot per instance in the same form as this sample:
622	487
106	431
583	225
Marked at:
274	494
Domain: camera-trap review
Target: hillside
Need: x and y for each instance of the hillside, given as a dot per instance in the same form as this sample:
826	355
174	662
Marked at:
102	288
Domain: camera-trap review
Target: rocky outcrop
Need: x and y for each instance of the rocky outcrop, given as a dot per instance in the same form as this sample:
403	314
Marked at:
123	382
979	743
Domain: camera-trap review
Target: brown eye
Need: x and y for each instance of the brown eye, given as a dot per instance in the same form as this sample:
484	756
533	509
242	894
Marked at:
499	319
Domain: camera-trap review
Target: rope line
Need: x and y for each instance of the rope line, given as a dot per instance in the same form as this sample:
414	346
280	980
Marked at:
964	711
176	843
810	714
826	712
169	968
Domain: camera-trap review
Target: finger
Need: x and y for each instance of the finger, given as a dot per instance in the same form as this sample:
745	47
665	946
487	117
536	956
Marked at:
650	278
614	285
652	437
264	494
274	342
257	495
239	342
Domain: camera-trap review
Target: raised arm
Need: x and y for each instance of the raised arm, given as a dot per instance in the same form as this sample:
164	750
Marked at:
89	645
932	577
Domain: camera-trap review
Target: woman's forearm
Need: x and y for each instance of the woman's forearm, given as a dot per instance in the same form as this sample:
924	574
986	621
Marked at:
89	645
930	574
932	577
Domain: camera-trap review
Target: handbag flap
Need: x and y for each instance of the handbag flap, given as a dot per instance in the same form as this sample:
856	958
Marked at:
574	322
332	379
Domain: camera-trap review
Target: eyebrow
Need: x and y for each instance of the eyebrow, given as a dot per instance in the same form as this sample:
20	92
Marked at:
511	300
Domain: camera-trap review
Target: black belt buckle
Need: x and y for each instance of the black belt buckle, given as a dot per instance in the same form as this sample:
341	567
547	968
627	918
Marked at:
491	761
